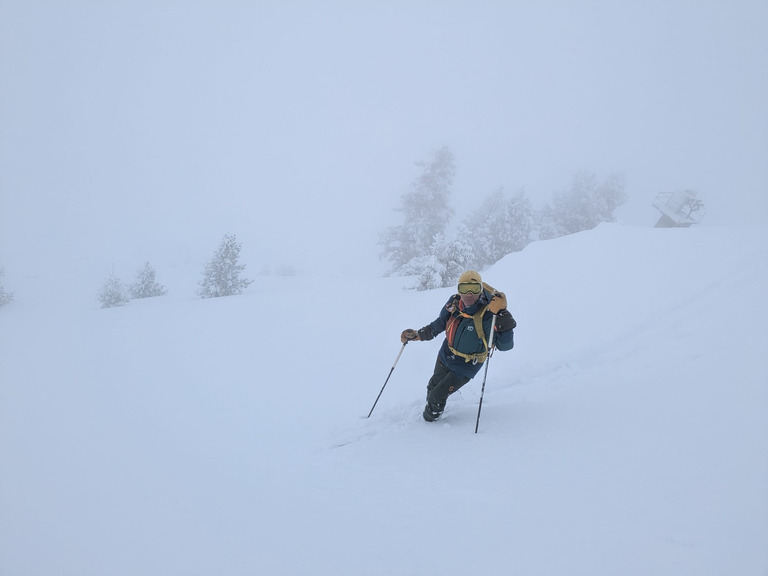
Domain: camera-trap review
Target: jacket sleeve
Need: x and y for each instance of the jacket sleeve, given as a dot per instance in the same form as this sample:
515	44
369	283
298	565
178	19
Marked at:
505	339
438	325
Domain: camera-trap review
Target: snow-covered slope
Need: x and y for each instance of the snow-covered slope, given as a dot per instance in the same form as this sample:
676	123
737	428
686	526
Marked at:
626	433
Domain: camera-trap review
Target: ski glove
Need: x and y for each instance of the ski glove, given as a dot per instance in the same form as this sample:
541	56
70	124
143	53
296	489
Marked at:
498	302
426	333
504	321
408	335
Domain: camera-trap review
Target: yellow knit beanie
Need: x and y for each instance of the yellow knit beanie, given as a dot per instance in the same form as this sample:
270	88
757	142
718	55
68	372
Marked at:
470	276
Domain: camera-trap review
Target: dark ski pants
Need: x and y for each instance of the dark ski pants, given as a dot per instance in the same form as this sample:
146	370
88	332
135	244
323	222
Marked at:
443	383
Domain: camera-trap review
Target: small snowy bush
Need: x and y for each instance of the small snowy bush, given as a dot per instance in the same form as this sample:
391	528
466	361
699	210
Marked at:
113	293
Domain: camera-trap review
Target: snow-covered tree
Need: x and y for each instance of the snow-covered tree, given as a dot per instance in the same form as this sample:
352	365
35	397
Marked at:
500	226
608	196
430	272
5	297
488	227
426	212
519	227
457	256
113	293
583	207
146	285
221	276
445	262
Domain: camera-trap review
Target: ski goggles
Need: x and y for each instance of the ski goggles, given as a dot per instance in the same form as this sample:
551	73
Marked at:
470	288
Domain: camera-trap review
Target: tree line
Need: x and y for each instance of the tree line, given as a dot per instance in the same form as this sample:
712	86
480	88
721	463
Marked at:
431	247
221	277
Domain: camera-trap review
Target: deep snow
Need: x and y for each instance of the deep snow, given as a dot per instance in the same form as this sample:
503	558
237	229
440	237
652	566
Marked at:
625	434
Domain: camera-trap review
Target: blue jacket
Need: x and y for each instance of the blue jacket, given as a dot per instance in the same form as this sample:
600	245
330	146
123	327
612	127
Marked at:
462	336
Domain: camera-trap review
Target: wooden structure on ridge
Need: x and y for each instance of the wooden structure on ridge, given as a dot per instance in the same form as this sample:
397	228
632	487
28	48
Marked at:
679	209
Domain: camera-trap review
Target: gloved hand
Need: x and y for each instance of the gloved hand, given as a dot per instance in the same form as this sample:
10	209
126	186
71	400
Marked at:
408	335
504	321
498	302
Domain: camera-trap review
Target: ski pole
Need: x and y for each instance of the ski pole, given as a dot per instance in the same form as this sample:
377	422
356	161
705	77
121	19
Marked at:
487	361
387	380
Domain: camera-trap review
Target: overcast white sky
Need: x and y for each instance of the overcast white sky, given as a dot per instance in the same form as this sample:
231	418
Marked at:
128	125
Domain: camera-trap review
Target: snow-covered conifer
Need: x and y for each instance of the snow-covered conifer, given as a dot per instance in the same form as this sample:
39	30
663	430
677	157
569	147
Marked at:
487	226
499	226
519	229
221	276
426	212
583	207
5	297
146	286
445	262
457	256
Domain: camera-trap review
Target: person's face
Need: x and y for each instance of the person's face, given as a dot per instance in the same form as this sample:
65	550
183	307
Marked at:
468	299
469	293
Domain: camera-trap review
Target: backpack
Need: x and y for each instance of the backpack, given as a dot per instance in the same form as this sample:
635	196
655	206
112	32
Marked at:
477	319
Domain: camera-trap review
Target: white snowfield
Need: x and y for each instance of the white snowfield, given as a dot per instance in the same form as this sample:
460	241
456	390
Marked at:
626	434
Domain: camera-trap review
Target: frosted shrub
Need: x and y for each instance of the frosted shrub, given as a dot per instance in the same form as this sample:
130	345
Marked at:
113	293
146	286
221	276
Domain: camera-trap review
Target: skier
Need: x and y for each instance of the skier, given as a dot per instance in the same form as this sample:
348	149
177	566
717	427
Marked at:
466	319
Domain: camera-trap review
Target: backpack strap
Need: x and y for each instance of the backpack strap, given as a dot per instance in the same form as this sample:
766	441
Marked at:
478	317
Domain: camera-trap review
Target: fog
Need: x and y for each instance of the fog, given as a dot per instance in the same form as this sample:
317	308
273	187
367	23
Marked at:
137	129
